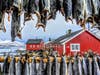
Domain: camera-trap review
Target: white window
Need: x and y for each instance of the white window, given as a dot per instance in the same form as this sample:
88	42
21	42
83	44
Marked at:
33	46
38	46
30	46
75	47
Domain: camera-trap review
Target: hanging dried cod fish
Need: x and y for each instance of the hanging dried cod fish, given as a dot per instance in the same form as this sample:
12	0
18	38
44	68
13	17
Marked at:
6	7
78	11
75	66
41	21
52	14
2	15
59	6
88	8
32	65
97	20
42	18
29	8
40	70
15	24
12	67
6	65
63	68
67	4
95	15
18	68
95	4
2	27
55	66
19	5
89	11
16	19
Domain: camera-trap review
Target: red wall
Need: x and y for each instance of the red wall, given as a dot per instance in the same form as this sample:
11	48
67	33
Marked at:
59	48
34	46
86	41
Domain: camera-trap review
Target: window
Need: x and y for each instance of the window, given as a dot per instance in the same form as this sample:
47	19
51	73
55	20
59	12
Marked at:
75	47
38	46
30	46
33	46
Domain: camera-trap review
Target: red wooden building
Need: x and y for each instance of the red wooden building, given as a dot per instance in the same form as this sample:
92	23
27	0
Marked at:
55	45
34	44
79	41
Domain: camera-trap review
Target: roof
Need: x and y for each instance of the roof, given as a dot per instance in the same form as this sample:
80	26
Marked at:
34	41
96	32
67	37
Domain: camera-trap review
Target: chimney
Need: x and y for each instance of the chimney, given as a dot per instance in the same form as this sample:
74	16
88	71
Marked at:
69	31
49	39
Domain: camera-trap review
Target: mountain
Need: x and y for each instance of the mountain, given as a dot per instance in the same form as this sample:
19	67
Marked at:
10	43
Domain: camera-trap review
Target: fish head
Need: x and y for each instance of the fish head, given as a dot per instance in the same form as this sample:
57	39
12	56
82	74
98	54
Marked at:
19	35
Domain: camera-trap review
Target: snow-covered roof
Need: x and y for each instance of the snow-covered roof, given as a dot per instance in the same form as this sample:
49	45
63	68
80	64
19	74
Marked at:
96	32
10	43
66	37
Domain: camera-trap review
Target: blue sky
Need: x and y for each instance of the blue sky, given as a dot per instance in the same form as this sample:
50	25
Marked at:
54	29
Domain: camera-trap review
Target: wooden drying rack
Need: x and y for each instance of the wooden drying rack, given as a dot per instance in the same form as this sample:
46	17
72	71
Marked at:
45	60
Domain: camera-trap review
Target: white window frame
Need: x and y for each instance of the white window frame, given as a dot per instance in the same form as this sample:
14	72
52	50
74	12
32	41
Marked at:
31	46
74	44
38	46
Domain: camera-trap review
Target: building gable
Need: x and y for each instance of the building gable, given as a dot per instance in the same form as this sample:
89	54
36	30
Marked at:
82	43
34	41
65	41
65	37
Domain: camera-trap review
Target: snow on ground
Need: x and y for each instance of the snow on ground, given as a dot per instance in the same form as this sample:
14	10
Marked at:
10	43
